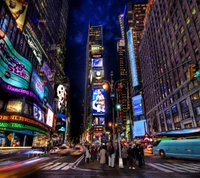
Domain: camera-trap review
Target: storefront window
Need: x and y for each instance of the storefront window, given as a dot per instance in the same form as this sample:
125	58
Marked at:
189	125
195	96
14	106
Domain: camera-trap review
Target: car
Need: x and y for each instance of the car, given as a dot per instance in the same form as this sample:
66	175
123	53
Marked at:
54	150
64	150
149	149
77	151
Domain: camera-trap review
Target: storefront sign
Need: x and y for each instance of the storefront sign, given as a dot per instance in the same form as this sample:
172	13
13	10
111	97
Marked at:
12	125
14	118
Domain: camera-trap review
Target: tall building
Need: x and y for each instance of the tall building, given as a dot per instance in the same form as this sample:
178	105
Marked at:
94	102
27	94
170	43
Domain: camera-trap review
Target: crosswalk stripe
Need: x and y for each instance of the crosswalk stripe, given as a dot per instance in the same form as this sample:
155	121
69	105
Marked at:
171	168
66	167
175	167
44	165
194	164
59	167
185	168
157	167
50	167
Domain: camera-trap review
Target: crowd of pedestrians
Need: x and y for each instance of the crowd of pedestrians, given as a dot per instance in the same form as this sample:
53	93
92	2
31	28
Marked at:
132	155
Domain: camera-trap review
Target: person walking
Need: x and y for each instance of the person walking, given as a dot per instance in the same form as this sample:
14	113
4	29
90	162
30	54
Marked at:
102	157
139	155
124	155
87	154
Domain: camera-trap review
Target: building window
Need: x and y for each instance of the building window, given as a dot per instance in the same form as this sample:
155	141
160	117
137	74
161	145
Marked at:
184	104
195	96
186	115
197	111
193	11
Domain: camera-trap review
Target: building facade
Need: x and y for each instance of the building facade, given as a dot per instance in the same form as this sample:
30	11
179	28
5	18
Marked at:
170	43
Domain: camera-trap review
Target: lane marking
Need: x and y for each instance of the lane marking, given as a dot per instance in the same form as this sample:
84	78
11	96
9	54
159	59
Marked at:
66	167
160	168
171	168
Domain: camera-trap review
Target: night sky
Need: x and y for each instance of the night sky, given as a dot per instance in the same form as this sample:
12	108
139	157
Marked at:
81	13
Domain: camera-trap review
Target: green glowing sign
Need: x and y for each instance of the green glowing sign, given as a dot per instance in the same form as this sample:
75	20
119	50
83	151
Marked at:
13	125
197	74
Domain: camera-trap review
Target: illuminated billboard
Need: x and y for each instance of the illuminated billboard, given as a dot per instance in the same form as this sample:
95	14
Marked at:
49	120
98	120
139	128
97	62
61	94
37	86
98	75
96	50
98	101
47	71
18	9
38	113
14	69
132	58
137	105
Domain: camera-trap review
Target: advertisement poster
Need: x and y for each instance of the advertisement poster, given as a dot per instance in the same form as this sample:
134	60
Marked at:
61	94
47	71
18	9
96	50
50	116
139	128
37	86
98	75
137	105
97	62
14	69
98	104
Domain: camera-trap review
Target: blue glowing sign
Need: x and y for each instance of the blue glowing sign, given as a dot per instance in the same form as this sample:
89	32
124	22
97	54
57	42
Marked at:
132	58
137	105
98	101
139	128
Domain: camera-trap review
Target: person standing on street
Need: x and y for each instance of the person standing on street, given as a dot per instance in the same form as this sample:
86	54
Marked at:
87	155
111	153
131	156
139	155
102	157
124	155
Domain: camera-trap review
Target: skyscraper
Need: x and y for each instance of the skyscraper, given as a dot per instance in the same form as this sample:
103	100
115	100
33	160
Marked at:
170	43
94	102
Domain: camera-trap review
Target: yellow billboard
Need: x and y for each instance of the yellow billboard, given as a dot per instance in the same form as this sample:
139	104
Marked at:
18	9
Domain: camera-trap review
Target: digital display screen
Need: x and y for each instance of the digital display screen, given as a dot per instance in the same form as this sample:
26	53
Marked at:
97	62
37	86
139	128
14	106
98	75
137	105
50	115
99	121
14	69
98	103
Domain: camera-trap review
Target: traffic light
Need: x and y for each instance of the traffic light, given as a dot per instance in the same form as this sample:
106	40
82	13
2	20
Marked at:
118	106
192	71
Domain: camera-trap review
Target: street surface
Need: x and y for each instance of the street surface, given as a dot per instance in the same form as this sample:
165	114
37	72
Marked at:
55	166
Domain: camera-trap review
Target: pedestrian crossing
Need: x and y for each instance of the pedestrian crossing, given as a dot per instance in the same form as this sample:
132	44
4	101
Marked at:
176	167
52	166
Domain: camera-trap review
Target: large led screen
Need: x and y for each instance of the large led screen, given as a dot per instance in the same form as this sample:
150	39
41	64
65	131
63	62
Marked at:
98	120
98	75
139	128
137	105
97	62
98	101
37	86
18	9
96	49
50	117
14	69
132	58
61	94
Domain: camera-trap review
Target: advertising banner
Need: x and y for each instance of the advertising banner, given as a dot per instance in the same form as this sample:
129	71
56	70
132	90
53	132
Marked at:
96	50
137	105
18	9
98	101
37	86
14	69
132	61
50	116
98	75
60	125
47	71
61	94
139	128
38	113
98	121
97	62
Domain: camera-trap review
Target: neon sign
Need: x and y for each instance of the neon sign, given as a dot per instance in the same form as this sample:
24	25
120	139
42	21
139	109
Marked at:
14	69
15	118
20	126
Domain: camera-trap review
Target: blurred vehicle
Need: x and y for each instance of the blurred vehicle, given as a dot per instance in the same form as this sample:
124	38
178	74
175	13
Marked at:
64	150
54	150
149	149
77	151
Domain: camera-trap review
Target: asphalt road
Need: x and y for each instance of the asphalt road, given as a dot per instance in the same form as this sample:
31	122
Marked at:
75	167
